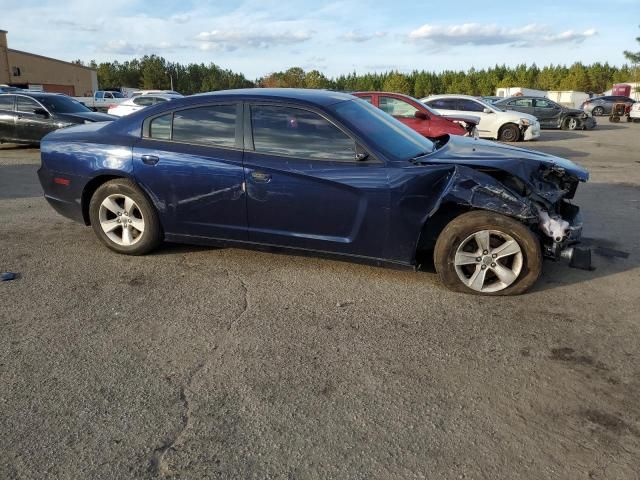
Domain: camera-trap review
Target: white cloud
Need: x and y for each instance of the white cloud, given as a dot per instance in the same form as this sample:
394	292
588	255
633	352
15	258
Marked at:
122	47
229	40
359	37
479	34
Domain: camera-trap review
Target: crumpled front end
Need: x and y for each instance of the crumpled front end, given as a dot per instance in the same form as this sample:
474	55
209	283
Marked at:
542	203
529	130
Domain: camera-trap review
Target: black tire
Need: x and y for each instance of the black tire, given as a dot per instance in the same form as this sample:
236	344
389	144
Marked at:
509	133
152	235
570	123
461	227
597	111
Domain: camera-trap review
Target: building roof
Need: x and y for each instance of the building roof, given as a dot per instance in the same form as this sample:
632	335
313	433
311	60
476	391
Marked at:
49	58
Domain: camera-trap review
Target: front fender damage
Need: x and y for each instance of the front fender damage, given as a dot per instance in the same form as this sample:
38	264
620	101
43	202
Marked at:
471	188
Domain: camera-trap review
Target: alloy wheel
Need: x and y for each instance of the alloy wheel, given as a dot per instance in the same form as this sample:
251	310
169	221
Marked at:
121	219
488	261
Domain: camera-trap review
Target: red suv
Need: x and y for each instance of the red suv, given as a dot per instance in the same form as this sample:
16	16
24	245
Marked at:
421	118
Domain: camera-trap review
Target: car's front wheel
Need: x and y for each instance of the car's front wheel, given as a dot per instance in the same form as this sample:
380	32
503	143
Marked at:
487	253
509	133
124	219
570	123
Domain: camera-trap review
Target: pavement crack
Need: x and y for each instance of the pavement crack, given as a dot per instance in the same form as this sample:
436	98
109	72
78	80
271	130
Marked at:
158	465
245	304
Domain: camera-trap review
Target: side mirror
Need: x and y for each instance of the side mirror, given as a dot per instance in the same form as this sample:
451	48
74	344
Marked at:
420	115
42	112
487	110
361	155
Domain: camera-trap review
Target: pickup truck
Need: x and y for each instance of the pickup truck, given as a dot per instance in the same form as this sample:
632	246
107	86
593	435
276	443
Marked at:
102	100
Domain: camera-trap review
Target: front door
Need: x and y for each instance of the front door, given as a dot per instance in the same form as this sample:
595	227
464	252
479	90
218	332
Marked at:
309	186
190	162
548	113
32	121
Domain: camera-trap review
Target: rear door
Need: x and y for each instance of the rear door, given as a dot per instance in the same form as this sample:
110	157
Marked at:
549	113
7	117
31	123
190	162
305	186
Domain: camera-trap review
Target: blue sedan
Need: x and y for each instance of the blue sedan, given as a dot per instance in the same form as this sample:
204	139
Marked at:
321	172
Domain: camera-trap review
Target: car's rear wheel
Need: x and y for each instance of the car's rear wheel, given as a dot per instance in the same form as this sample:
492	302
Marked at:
597	111
570	123
487	253
124	219
509	133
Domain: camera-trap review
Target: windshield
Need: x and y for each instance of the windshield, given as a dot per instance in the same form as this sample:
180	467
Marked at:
386	133
62	104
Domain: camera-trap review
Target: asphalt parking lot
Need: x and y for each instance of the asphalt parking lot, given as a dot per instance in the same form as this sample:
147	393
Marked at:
221	363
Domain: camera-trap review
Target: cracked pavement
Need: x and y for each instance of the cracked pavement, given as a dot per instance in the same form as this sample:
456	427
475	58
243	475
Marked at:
221	363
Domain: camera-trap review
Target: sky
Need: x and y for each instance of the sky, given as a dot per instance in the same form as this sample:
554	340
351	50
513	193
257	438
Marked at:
257	37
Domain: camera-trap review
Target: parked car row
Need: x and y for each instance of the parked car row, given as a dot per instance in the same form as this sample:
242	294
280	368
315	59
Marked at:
495	123
320	172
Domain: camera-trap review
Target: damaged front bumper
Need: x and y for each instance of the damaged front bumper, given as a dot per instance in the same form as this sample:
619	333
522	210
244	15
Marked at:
564	231
530	131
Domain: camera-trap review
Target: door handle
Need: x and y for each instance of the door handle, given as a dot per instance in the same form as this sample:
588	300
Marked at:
260	177
150	159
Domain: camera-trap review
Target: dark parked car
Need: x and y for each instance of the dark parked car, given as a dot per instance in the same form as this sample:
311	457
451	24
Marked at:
602	105
315	171
26	117
424	120
549	113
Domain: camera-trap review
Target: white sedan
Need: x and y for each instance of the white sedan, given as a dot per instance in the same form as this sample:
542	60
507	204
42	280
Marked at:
139	102
503	125
634	113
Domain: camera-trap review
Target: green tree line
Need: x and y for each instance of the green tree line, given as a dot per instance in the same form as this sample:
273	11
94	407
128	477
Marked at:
152	71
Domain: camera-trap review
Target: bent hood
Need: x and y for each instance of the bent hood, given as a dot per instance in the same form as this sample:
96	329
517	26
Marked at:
517	161
90	116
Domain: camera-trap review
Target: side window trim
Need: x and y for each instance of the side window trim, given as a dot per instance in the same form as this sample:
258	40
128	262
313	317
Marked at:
146	126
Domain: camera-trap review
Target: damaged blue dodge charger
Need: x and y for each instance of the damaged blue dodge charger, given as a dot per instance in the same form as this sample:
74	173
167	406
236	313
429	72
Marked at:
317	172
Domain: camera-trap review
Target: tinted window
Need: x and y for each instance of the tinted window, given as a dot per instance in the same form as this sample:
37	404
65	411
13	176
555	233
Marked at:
62	104
6	102
143	101
367	98
159	100
26	104
544	104
469	105
396	107
388	135
521	102
299	133
160	127
212	125
443	104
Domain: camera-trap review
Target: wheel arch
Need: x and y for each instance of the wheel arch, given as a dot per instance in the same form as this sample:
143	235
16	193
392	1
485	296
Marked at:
92	185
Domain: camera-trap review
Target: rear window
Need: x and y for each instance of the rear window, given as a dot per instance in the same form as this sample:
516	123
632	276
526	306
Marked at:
211	125
160	127
443	104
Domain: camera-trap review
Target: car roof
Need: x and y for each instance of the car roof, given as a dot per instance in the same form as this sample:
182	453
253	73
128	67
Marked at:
451	95
516	97
319	97
29	93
